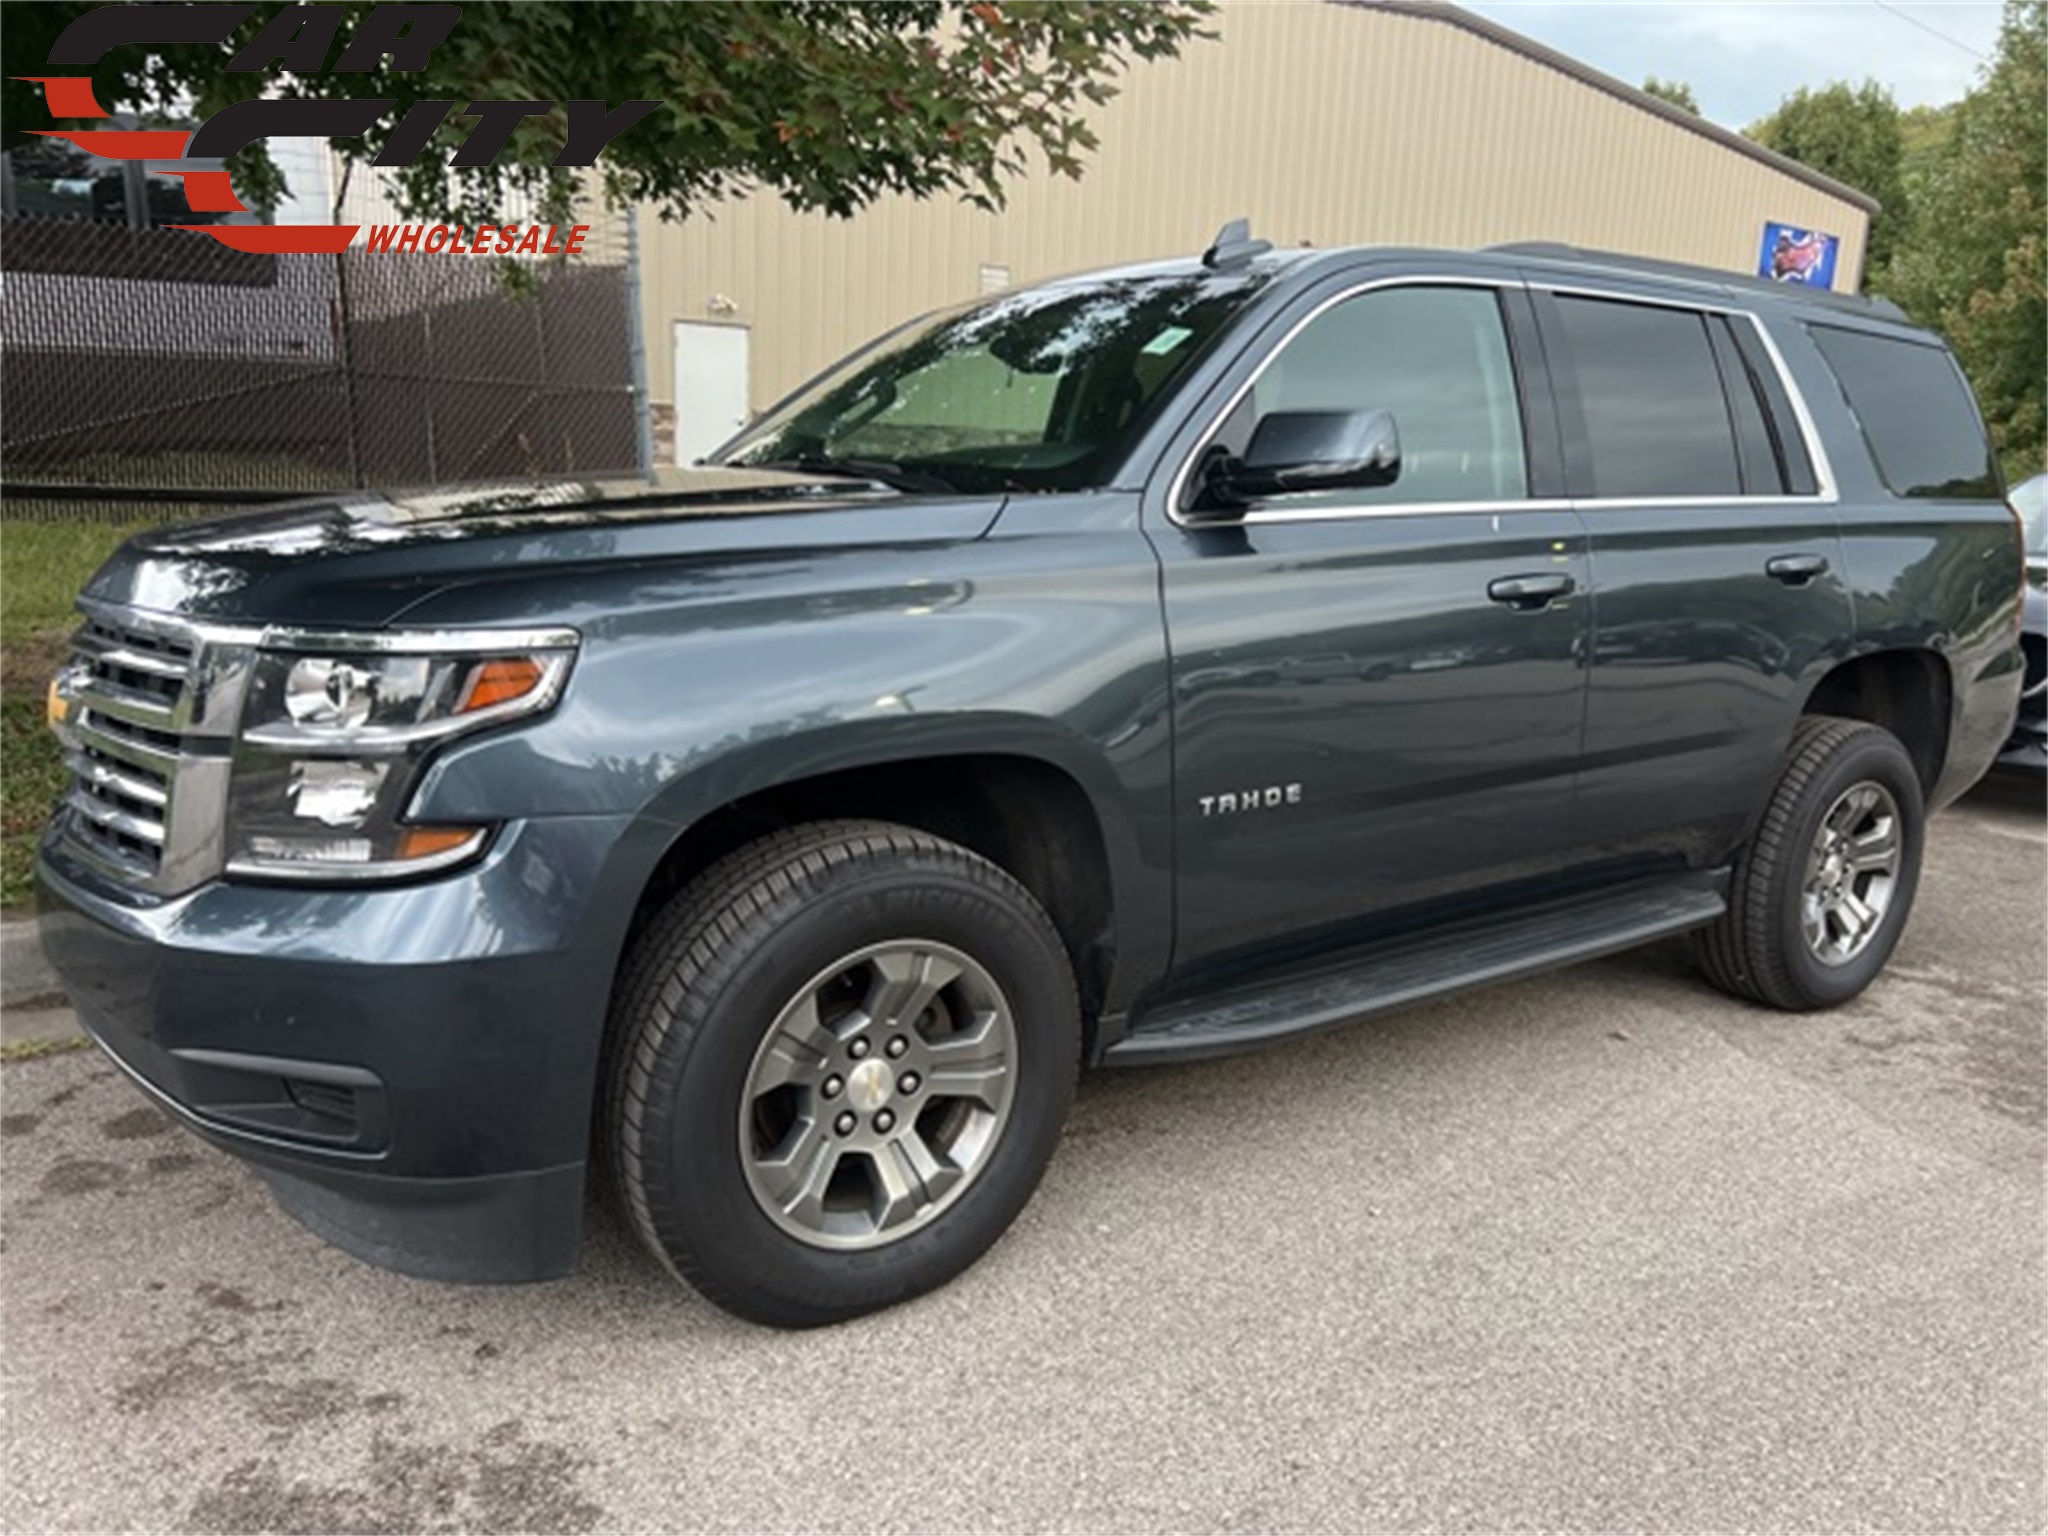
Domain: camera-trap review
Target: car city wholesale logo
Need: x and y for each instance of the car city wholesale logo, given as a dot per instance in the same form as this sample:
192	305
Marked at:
298	38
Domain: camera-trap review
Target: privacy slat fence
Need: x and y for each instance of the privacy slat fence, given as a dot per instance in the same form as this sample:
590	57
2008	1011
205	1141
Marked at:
156	367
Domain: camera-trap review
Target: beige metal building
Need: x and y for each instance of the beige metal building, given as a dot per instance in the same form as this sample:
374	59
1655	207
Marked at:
1328	123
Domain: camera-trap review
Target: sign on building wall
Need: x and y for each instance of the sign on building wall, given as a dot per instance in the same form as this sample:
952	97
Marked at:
1797	256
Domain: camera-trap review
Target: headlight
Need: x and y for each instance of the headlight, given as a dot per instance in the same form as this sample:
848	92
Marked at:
334	733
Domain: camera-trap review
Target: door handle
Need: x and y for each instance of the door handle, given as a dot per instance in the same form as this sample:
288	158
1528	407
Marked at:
1796	570
1527	594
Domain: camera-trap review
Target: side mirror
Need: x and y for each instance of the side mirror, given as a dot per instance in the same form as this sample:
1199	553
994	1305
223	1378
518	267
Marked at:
1296	451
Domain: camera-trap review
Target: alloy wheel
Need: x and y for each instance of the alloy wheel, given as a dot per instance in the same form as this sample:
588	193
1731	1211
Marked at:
878	1095
1852	872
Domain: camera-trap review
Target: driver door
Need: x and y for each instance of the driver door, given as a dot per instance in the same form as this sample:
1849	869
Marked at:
1366	714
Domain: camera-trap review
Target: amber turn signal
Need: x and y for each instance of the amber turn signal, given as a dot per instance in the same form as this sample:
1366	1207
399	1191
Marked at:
426	842
499	682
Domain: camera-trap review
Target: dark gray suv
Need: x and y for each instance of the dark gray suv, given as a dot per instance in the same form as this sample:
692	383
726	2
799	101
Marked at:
1140	666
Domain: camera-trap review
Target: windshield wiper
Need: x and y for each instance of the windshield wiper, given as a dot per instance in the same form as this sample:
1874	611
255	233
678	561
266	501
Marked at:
881	471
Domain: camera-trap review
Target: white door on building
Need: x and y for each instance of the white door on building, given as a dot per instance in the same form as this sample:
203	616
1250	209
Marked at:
711	386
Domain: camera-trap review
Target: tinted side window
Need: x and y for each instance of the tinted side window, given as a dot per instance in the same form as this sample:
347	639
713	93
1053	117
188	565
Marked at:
1437	358
1794	462
1762	475
1915	411
1656	418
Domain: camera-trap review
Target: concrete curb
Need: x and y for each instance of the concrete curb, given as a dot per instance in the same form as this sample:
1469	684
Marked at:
37	1026
24	973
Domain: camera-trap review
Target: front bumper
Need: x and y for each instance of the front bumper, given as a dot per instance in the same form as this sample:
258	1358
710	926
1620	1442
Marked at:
411	1068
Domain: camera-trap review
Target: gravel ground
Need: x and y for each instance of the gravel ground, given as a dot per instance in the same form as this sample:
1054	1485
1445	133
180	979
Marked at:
1602	1250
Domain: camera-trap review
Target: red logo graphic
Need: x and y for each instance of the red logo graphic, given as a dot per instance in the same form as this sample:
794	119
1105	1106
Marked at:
300	36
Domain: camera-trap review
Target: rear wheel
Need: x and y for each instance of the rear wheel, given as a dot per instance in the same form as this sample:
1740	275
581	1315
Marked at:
843	1060
1821	893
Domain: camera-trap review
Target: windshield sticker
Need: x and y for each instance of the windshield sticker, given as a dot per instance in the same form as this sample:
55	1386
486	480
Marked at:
1167	340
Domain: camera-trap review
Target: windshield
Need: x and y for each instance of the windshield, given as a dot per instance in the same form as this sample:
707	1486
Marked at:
1040	390
2030	499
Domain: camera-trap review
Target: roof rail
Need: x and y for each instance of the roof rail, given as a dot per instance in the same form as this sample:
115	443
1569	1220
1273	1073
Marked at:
1686	272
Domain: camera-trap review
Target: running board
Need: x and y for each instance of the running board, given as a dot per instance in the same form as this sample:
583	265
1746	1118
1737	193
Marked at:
1421	970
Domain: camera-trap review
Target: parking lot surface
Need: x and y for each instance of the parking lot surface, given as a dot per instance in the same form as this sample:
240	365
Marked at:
1600	1250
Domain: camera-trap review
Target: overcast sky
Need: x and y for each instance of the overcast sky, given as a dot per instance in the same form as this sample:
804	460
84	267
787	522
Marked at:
1742	59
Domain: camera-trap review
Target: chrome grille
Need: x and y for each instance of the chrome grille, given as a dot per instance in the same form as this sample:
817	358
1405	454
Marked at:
143	665
153	701
130	684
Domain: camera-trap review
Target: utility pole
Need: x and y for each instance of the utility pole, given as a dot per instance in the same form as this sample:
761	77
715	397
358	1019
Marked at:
636	351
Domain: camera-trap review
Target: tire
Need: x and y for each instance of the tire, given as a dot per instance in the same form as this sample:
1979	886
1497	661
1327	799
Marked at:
1795	934
784	1142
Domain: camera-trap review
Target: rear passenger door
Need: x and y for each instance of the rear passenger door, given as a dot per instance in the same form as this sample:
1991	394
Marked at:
1718	575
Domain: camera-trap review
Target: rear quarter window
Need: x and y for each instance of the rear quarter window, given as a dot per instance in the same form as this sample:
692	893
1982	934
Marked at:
1915	412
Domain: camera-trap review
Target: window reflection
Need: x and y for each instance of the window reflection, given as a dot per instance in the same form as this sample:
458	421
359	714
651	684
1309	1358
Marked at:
50	179
54	179
1044	389
1437	358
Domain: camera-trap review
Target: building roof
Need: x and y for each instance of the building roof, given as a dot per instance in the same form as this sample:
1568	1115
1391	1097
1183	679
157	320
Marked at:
1585	74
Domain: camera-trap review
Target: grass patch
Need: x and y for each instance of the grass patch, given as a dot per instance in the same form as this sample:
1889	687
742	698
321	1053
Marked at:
30	1050
31	779
42	567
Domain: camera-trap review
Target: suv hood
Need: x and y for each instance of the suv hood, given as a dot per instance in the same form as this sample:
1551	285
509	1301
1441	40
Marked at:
363	558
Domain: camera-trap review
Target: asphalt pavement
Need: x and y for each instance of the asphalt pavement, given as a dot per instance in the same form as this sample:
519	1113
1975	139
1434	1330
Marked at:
1602	1250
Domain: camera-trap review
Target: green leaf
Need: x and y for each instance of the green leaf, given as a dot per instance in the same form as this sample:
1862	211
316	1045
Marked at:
916	96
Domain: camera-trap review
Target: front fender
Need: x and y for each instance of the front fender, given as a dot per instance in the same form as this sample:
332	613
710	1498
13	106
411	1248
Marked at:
1140	894
1042	642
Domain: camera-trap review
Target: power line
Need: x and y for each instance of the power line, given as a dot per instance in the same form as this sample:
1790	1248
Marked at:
1882	5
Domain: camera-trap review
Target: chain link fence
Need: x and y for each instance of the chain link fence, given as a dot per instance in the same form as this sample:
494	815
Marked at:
143	370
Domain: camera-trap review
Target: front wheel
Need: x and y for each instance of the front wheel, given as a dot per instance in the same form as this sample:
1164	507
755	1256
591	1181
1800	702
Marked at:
1821	892
842	1061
